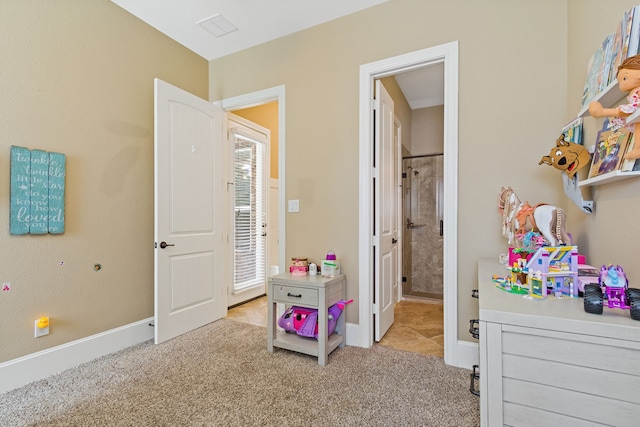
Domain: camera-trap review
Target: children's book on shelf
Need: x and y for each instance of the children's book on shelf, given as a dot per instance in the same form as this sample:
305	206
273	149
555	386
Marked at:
628	165
587	92
603	64
609	151
595	71
634	31
572	131
603	77
617	49
626	24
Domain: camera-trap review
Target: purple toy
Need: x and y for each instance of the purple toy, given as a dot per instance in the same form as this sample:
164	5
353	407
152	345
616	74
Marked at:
613	282
304	321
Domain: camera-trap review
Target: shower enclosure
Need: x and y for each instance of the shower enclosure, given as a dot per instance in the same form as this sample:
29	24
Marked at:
422	269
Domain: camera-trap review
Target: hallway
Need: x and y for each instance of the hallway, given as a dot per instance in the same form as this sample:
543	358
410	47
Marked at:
418	325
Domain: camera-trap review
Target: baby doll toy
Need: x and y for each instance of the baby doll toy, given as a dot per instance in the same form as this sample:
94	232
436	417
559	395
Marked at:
628	81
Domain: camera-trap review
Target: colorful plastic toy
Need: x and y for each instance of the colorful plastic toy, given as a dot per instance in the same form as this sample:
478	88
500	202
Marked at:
304	320
518	218
613	284
567	157
507	284
628	81
587	274
553	270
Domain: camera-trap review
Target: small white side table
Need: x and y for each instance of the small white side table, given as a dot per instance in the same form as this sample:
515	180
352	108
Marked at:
311	292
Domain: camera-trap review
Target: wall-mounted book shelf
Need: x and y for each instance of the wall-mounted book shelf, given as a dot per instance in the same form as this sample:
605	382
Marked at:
634	117
601	84
608	178
609	97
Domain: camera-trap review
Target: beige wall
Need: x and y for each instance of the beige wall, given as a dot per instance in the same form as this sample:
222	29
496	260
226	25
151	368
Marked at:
512	71
76	77
265	115
401	109
427	131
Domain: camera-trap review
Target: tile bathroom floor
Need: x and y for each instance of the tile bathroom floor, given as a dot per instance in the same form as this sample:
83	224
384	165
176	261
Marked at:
418	324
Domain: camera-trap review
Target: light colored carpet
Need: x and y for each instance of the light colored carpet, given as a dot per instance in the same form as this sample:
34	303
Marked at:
222	375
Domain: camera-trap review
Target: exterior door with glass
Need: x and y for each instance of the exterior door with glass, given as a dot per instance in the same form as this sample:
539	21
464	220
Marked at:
249	144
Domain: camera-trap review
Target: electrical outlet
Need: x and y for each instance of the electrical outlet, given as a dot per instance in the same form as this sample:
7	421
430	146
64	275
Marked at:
41	327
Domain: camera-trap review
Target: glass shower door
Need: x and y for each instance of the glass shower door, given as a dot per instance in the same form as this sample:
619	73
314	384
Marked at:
423	230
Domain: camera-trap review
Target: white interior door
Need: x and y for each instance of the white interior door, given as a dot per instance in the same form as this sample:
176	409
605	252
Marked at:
189	212
385	196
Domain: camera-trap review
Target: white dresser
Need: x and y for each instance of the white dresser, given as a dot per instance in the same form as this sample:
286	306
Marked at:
549	363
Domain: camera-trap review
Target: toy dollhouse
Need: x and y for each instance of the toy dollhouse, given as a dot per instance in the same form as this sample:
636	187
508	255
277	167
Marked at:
553	270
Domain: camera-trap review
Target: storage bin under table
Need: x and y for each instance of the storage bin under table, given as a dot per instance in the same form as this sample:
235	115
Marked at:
311	292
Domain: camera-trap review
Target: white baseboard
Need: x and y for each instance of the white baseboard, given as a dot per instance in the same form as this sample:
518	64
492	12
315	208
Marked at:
36	366
468	354
352	335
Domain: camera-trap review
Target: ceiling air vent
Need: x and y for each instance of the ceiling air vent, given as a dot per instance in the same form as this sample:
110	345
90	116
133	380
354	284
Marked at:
218	25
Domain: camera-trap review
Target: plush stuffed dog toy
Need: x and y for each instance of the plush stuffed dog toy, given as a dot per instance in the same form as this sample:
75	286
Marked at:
567	157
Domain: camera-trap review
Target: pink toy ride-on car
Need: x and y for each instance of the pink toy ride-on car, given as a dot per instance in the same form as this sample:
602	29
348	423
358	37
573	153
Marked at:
612	283
587	275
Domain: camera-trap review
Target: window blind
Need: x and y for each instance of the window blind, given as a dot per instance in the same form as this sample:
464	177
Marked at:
250	226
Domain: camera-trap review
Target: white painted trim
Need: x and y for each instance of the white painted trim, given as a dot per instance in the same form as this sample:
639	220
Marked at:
253	99
448	54
468	354
353	337
36	366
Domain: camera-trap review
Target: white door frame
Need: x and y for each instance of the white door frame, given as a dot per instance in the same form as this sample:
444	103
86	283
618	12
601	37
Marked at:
447	54
399	207
274	94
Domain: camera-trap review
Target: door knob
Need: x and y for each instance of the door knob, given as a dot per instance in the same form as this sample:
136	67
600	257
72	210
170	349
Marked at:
394	240
165	244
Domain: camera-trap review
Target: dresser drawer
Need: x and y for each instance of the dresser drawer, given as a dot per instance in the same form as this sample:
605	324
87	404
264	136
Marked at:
307	297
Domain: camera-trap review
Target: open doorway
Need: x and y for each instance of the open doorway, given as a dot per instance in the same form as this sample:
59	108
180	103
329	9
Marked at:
255	235
265	108
410	313
418	97
447	55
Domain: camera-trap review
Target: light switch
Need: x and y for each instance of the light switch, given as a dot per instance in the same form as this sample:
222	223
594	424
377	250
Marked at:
294	205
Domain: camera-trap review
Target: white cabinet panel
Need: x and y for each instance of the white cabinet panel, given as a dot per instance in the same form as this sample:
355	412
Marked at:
550	363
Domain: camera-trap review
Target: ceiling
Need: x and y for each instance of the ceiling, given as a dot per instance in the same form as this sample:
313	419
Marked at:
423	87
258	21
253	22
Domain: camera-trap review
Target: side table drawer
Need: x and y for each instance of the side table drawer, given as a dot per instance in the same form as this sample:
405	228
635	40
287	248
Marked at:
295	295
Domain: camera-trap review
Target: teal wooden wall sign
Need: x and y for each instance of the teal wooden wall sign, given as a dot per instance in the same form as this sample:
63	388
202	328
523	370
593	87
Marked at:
37	191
